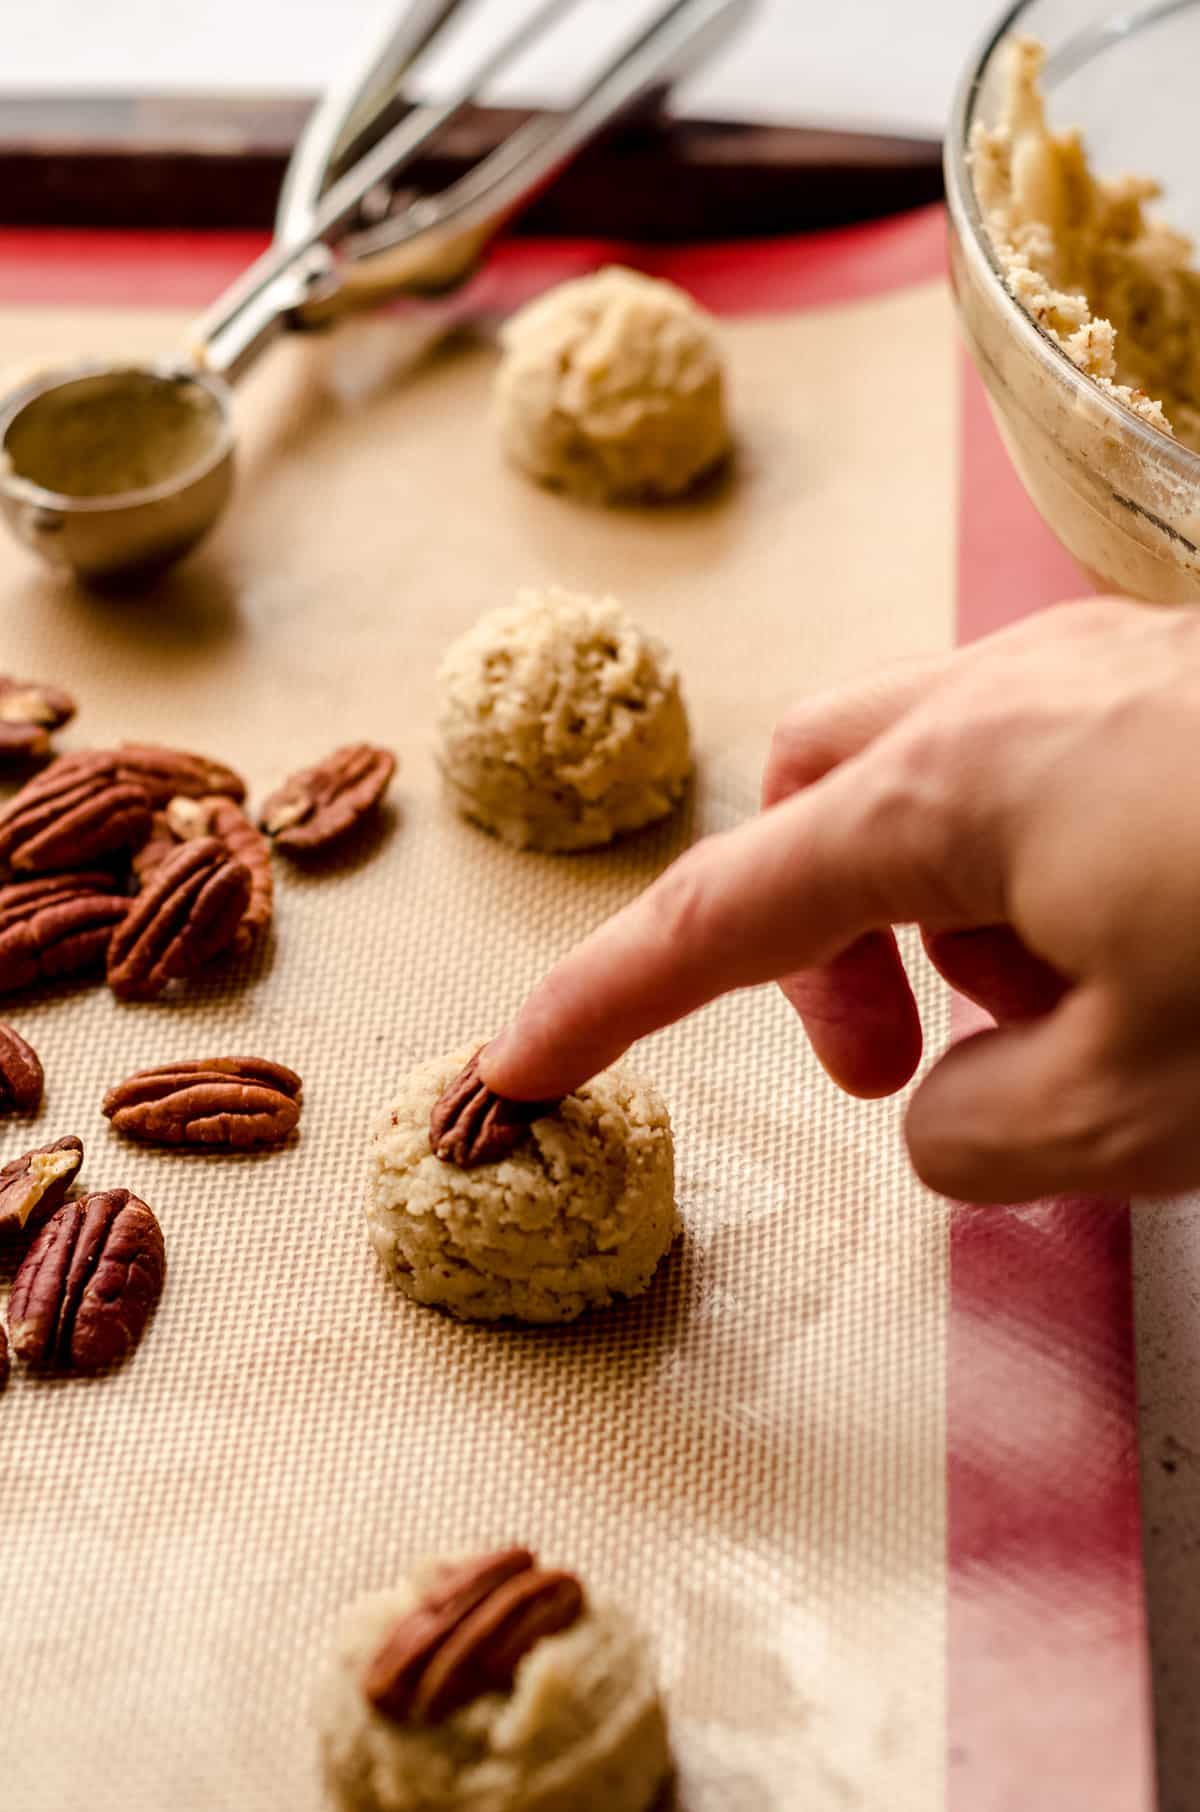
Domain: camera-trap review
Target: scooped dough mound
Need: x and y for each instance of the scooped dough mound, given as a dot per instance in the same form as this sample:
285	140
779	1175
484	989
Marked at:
561	724
612	386
579	1214
1116	287
581	1731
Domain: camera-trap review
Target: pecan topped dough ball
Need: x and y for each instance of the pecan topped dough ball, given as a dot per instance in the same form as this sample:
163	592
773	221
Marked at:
574	1213
611	386
561	723
490	1684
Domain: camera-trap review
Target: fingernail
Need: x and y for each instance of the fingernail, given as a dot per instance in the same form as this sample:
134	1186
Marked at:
495	1050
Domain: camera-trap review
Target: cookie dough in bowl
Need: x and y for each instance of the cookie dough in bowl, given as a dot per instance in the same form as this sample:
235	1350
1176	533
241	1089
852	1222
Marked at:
576	1212
611	386
489	1684
561	724
1112	284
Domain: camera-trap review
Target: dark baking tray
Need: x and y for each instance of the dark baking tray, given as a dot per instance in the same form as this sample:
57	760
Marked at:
214	161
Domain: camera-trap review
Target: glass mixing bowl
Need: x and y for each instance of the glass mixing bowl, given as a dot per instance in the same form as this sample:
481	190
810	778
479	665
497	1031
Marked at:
1122	497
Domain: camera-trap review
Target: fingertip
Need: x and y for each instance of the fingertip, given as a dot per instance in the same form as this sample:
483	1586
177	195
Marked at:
514	1065
547	1050
885	1072
861	1017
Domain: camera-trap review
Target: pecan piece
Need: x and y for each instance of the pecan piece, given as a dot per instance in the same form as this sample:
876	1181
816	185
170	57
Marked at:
34	1186
469	1635
322	803
86	1287
161	842
218	817
23	742
58	925
470	1125
188	913
394	1674
164	773
77	810
236	1103
484	1652
28	713
21	1078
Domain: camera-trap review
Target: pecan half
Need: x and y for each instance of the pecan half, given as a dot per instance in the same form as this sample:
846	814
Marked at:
188	913
87	1285
74	812
28	713
21	1078
233	1102
486	1649
58	925
3	1358
470	1125
469	1635
218	817
320	804
33	1186
164	773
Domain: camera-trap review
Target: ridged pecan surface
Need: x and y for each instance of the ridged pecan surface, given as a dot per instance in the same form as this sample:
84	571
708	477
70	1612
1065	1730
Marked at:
56	926
163	773
471	1125
88	1284
34	1185
29	711
187	914
234	1103
320	804
468	1636
75	812
21	1079
184	819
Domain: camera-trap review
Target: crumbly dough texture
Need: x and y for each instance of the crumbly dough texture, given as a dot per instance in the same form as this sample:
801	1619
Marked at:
579	1214
612	386
561	725
583	1729
1113	285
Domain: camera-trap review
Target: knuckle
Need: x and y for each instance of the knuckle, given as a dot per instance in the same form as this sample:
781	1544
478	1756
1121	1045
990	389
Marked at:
914	800
792	756
685	903
1103	1126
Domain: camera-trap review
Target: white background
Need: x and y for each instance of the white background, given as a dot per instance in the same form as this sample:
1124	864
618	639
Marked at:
841	62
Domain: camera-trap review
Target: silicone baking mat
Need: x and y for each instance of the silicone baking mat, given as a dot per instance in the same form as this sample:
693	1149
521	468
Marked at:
865	1463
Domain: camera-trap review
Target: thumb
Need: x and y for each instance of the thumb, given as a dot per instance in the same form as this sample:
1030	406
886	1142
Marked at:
1028	1110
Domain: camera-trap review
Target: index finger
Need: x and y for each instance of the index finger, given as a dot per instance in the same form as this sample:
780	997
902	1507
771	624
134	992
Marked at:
870	846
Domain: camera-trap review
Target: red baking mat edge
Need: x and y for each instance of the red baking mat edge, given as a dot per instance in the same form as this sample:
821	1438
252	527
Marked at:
155	270
1011	1539
1048	1686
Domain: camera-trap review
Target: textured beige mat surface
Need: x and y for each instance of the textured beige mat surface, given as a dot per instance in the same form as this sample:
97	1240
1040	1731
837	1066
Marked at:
753	1455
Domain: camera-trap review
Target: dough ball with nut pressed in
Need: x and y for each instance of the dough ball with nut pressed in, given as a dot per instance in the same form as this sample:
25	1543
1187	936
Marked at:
561	724
578	1728
612	386
579	1212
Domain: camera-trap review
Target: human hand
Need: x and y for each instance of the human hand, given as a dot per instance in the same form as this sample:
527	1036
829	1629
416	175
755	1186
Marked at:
1033	803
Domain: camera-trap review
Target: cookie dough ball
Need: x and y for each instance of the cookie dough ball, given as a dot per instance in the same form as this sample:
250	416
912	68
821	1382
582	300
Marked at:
580	1212
611	386
561	724
579	1728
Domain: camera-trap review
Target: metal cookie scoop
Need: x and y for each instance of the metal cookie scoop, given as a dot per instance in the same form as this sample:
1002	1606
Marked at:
113	471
